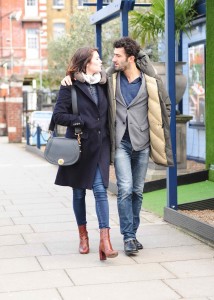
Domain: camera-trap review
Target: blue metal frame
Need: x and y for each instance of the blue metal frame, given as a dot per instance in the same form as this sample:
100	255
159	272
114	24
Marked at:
121	8
118	8
170	79
180	58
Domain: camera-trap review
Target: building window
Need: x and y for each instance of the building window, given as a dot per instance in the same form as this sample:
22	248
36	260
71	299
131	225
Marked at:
31	2
58	30
80	2
32	43
58	3
31	8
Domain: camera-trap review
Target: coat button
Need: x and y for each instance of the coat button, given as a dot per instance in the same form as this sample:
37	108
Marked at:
98	119
99	131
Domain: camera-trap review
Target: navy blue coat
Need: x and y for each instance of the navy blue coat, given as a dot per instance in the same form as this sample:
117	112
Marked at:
95	138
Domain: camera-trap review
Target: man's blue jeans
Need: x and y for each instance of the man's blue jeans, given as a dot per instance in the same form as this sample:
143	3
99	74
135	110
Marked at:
100	195
130	168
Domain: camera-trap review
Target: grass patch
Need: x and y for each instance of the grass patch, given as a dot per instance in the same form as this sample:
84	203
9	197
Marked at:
157	200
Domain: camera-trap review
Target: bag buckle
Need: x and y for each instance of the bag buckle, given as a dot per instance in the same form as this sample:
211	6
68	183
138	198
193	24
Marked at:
78	137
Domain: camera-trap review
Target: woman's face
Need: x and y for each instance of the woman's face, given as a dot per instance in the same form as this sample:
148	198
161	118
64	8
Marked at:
94	66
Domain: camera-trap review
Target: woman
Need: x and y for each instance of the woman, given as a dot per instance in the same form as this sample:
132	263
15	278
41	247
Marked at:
92	171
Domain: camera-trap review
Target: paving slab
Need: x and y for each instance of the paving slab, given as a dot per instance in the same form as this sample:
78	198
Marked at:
6	222
42	219
124	273
33	206
11	240
161	241
63	226
148	290
193	287
44	294
16	265
55	262
46	212
5	214
197	298
192	268
16	200
33	281
5	202
175	254
6	230
23	250
45	237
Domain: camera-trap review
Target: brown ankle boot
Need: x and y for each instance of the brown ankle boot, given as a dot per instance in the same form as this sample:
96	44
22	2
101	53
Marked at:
84	246
105	249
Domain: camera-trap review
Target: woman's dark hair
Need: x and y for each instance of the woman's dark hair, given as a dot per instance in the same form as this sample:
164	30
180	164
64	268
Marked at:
130	46
80	60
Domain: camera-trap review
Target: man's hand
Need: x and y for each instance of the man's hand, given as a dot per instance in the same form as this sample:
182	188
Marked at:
66	81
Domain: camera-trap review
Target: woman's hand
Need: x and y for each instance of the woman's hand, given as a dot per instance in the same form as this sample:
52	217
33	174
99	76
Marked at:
66	81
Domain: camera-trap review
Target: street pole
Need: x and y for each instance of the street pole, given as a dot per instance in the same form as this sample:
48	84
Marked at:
11	45
40	57
13	16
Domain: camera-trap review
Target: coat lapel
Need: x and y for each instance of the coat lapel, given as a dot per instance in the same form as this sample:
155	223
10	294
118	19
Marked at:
83	87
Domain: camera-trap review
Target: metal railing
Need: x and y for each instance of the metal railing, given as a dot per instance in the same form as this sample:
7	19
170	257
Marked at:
33	131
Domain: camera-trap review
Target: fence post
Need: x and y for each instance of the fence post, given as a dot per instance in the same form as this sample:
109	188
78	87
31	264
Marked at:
38	133
28	133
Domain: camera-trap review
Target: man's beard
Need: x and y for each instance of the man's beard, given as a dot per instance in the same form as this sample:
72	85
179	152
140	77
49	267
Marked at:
120	68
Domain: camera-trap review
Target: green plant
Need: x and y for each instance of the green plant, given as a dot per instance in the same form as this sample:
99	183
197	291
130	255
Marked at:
150	25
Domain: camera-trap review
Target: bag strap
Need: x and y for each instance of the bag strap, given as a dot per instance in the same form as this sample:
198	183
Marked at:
78	130
52	124
74	100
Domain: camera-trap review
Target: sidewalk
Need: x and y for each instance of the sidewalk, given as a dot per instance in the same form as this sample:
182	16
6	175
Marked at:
39	257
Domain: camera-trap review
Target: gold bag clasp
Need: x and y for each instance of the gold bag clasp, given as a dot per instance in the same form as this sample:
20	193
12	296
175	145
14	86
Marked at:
60	161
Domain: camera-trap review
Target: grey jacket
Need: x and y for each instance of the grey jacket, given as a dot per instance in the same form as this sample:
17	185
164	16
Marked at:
159	107
134	116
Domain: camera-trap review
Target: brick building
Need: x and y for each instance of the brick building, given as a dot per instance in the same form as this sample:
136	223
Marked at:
23	37
26	26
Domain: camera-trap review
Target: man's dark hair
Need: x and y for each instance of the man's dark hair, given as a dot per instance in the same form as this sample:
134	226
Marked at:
130	46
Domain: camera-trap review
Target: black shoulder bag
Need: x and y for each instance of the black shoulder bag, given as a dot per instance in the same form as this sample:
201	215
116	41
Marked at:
63	151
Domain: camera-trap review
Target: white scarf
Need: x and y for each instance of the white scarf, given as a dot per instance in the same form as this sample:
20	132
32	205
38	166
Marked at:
92	79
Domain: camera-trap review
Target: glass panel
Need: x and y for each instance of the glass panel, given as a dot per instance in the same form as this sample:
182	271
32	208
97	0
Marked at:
196	82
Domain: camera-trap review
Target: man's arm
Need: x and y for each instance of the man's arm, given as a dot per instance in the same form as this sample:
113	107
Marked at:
66	80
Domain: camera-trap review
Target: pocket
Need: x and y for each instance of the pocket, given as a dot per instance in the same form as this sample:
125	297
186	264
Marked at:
144	127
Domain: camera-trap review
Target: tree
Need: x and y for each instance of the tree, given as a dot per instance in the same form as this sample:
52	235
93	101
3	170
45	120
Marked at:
82	34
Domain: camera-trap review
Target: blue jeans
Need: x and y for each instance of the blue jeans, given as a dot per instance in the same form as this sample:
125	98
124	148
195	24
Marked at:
130	168
100	195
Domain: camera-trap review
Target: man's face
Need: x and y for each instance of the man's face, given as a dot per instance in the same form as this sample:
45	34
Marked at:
120	60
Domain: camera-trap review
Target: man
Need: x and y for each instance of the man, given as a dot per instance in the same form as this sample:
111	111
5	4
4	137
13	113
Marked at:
141	130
